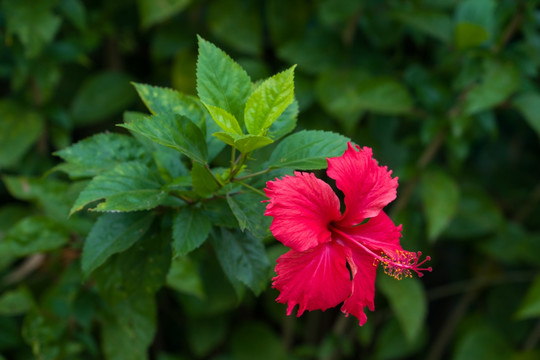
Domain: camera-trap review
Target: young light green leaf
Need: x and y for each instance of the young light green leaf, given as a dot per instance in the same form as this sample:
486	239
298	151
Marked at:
225	120
440	196
285	123
407	299
244	143
529	106
127	187
268	102
221	82
530	306
307	150
249	211
174	131
190	230
98	153
19	129
242	257
33	234
498	83
111	234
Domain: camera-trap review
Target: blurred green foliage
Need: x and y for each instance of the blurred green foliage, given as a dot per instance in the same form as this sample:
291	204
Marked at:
446	92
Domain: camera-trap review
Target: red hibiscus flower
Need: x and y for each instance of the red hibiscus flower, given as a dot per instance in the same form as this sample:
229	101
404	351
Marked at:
334	256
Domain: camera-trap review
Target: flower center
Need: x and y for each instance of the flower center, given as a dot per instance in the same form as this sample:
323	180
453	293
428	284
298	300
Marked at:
398	263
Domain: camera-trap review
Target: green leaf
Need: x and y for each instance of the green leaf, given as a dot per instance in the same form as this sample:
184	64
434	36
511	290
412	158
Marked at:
221	82
268	102
127	187
244	143
482	341
128	328
111	234
440	196
34	23
225	120
204	184
237	24
285	123
498	83
190	230
256	341
307	150
102	96
242	258
155	11
407	299
249	211
16	302
141	270
512	244
184	277
33	234
19	129
530	306
435	24
475	22
529	106
174	131
75	12
205	334
98	153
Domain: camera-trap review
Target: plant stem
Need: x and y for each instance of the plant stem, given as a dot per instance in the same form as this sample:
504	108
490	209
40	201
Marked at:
250	187
253	174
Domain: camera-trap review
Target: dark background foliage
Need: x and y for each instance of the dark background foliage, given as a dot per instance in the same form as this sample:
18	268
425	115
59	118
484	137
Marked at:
446	92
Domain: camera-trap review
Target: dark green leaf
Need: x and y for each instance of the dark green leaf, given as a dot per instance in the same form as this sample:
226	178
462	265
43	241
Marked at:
256	341
204	184
307	150
512	244
220	81
529	106
498	82
440	196
101	152
205	335
16	302
128	328
127	187
184	277
242	257
33	234
111	234
174	131
475	20
74	11
481	341
435	24
190	230
139	271
34	23
530	306
102	96
268	102
19	129
249	211
155	11
408	302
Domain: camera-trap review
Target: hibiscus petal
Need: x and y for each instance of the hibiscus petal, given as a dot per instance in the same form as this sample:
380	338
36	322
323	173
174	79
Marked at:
302	207
314	279
378	234
367	186
363	290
